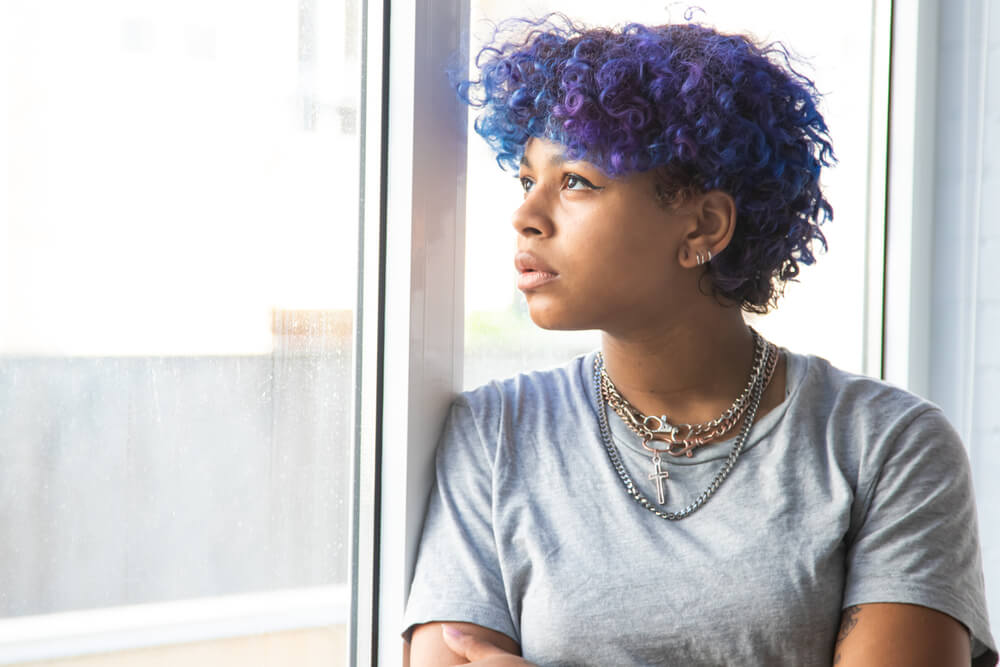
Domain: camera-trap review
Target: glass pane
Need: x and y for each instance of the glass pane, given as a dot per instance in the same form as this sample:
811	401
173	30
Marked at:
500	338
179	241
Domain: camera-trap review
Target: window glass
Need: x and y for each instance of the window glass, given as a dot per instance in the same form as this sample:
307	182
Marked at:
179	250
823	314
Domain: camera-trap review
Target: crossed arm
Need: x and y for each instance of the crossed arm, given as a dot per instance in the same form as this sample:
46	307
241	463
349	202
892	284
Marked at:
882	635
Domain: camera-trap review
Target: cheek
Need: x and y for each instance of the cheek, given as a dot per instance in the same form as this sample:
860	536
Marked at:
635	253
612	240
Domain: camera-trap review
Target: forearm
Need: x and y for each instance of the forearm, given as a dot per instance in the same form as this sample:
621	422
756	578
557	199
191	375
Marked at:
428	647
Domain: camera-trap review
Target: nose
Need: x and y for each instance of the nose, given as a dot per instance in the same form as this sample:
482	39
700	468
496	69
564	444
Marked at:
531	218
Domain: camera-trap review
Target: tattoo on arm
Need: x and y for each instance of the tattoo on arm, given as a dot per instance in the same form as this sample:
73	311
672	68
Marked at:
848	620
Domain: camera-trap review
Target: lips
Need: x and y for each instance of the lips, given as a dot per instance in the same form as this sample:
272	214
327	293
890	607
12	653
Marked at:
532	272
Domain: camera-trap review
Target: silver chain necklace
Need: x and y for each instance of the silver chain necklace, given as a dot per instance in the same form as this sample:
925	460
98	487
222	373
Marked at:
684	438
659	475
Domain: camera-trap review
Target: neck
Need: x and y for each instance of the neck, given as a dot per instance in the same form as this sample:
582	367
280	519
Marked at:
689	370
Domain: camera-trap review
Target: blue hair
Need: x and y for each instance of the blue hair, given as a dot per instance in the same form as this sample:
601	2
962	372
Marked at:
706	110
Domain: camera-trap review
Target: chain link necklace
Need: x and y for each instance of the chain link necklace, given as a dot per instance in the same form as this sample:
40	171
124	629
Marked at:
683	438
757	387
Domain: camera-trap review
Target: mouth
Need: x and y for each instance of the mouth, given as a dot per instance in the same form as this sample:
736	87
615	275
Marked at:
532	272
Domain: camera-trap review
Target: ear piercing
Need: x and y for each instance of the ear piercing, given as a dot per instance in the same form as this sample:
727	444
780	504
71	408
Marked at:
703	259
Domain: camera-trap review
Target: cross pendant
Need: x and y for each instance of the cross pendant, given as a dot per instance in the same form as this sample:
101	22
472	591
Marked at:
660	476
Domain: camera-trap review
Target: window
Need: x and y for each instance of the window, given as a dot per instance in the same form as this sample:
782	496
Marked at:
177	318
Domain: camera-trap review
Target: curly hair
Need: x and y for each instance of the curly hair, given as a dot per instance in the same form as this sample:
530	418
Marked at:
706	110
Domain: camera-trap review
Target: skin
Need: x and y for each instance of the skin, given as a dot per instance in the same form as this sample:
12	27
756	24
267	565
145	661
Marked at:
618	261
900	634
431	646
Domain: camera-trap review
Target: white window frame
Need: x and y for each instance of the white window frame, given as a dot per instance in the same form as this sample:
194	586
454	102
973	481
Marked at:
958	163
910	196
425	260
127	627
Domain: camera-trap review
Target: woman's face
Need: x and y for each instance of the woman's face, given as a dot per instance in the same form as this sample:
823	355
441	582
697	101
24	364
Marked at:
595	252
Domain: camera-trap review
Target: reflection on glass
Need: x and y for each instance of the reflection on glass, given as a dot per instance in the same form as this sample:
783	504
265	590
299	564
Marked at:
179	254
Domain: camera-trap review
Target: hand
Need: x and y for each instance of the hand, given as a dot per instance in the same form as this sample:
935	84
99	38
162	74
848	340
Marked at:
478	651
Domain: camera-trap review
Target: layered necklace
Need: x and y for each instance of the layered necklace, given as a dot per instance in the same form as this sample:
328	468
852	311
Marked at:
683	439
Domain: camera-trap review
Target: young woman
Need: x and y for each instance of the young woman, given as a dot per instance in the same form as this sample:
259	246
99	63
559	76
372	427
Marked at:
690	494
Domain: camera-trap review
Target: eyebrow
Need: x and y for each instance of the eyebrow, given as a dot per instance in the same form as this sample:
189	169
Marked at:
556	160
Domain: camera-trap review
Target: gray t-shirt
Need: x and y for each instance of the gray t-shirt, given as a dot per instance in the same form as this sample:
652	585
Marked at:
850	491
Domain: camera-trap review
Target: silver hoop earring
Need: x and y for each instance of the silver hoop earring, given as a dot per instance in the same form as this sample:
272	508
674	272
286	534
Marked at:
699	259
709	256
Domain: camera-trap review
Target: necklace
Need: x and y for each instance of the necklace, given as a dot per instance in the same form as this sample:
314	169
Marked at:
683	438
659	475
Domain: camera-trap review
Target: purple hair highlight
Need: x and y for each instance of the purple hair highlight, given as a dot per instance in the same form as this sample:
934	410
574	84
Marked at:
709	111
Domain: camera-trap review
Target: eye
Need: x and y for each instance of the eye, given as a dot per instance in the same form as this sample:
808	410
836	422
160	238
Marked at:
526	184
577	182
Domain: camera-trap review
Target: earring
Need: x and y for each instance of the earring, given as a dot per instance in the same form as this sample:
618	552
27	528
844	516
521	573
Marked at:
699	259
709	256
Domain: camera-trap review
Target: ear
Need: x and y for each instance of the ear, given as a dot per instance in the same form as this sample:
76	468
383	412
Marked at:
713	224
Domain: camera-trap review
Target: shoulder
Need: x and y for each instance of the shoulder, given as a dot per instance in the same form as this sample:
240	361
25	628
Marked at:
887	440
835	386
526	405
868	426
528	393
860	405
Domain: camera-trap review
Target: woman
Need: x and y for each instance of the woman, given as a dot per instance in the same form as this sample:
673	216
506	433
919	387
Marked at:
691	494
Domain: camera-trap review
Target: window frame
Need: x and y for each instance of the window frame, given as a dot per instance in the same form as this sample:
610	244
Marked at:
909	198
73	634
368	336
424	289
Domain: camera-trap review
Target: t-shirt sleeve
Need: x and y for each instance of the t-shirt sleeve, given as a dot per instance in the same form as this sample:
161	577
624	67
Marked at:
457	575
917	539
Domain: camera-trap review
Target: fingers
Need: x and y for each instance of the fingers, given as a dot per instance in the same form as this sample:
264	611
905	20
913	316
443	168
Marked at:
469	646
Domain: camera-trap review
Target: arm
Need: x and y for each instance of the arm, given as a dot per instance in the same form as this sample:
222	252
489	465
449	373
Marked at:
915	550
430	648
903	635
457	575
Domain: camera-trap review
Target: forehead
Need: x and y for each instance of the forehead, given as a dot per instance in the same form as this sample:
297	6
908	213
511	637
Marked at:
539	153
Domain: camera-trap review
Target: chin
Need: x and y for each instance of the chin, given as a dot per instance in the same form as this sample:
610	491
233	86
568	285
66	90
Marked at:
555	321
